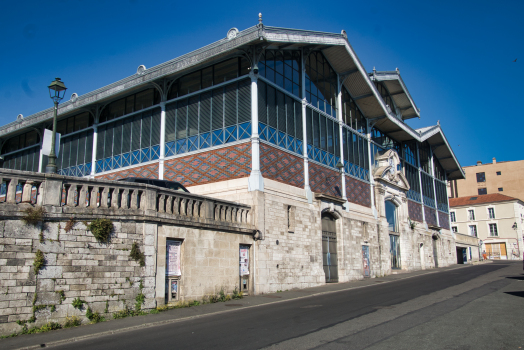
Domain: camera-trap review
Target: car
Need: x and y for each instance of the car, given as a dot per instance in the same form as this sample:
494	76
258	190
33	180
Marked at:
172	185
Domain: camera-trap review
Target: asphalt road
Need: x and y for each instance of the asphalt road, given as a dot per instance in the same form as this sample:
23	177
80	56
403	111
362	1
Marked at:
435	311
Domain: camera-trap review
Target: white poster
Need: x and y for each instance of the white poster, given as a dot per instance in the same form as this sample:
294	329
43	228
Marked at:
244	261
173	258
46	144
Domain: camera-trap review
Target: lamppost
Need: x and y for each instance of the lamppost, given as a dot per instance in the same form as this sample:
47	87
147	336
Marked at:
57	91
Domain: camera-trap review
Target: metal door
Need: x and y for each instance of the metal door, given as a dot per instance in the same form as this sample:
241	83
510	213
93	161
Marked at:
435	252
394	250
365	261
329	248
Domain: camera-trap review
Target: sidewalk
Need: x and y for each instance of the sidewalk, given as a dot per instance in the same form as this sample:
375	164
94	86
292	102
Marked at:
64	336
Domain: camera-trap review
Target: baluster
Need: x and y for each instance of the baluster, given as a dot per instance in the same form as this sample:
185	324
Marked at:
11	191
217	212
169	204
39	190
142	199
228	214
70	199
104	198
183	206
234	214
26	192
161	203
93	197
124	201
190	207
246	217
176	206
115	198
197	209
134	199
222	213
82	196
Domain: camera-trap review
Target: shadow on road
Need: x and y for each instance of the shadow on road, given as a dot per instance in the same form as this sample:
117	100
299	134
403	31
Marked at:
517	294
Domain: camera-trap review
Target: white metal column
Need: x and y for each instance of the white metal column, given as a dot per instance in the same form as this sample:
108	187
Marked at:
421	190
371	179
340	123
95	142
309	194
255	181
162	140
434	186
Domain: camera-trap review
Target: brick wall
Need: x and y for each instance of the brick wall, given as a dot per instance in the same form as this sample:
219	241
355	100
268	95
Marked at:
415	211
429	214
281	166
358	192
324	180
443	220
146	171
221	164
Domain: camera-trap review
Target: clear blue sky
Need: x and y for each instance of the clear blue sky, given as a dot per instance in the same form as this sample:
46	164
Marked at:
456	57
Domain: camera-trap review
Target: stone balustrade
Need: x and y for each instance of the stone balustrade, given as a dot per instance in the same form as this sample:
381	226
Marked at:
84	196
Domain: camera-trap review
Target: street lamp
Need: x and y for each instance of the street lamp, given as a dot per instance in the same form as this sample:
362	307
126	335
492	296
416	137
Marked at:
57	91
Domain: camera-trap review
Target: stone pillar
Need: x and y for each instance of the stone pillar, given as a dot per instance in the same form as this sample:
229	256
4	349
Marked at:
255	181
162	140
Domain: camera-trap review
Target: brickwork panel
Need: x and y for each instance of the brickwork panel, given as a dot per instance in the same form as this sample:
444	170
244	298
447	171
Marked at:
358	192
281	166
211	166
324	180
149	171
443	219
415	211
430	215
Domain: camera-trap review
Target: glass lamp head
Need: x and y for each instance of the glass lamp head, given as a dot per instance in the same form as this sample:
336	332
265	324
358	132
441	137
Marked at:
57	90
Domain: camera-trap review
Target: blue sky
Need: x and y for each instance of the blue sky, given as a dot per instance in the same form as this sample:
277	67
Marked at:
456	57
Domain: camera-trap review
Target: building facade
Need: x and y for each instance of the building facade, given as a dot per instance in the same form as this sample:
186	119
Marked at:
495	219
496	177
286	121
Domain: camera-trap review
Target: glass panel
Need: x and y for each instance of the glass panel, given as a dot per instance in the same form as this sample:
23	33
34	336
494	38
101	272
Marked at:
189	83
225	71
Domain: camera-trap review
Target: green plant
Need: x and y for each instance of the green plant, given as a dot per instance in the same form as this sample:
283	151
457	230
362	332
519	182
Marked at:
101	229
140	299
39	261
32	216
41	236
137	255
61	295
237	294
412	224
94	317
78	303
70	224
154	311
106	310
72	321
53	308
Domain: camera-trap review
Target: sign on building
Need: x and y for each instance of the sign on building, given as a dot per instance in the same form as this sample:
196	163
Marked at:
173	258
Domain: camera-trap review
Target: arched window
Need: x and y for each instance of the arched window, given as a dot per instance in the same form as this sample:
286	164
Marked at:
391	216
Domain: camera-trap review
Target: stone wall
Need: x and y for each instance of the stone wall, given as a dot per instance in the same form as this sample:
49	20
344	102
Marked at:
102	274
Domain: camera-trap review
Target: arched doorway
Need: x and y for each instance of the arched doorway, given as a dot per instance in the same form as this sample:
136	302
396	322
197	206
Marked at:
329	247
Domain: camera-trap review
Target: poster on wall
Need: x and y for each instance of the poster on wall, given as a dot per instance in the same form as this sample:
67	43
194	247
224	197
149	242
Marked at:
173	258
244	261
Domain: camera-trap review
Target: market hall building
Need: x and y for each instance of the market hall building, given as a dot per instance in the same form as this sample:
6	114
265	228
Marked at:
287	121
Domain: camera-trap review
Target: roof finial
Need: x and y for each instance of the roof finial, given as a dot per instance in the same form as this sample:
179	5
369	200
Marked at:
374	70
260	18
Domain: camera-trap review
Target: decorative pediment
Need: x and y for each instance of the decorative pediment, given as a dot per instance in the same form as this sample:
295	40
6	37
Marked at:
387	170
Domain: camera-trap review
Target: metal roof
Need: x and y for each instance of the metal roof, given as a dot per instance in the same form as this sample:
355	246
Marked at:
335	47
398	91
